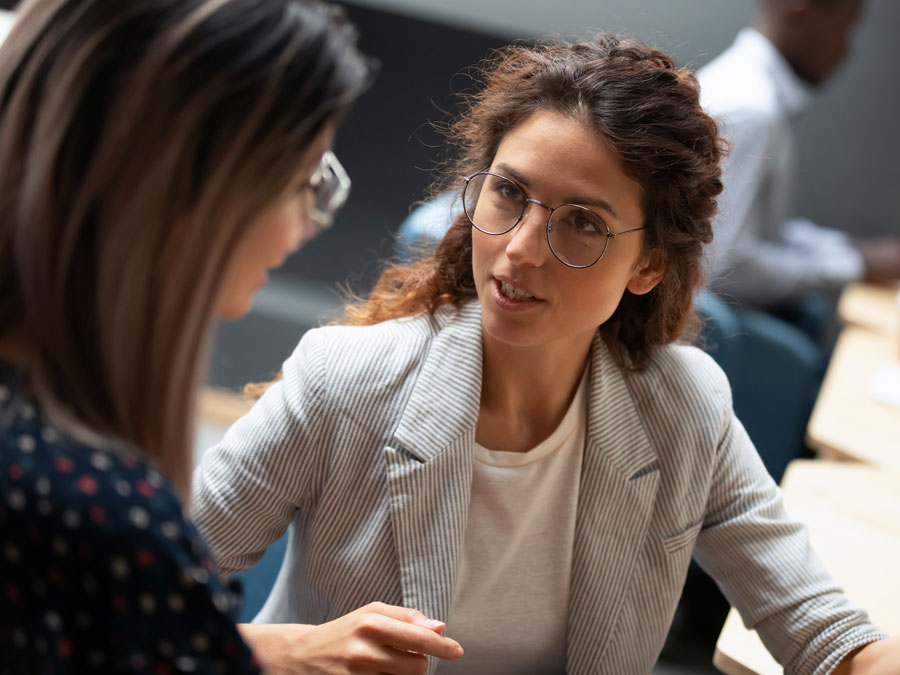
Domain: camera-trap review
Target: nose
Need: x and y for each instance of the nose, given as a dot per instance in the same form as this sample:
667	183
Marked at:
528	243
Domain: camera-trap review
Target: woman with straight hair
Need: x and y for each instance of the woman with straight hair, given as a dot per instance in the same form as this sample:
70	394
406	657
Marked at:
157	158
507	436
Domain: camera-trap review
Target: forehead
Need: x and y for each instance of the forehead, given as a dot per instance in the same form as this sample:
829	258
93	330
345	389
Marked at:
564	159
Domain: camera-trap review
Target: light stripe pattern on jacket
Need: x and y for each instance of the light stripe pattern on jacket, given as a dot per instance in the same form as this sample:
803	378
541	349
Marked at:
365	451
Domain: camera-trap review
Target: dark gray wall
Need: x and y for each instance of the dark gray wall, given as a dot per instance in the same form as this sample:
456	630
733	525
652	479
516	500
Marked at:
850	143
389	149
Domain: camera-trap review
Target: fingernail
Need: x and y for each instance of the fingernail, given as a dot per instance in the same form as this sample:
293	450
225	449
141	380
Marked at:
434	624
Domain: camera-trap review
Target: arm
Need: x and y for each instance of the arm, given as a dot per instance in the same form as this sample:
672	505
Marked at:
164	608
752	255
247	488
876	658
376	638
245	493
763	562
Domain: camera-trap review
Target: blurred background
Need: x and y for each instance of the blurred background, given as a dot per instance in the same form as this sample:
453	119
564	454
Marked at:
849	142
849	150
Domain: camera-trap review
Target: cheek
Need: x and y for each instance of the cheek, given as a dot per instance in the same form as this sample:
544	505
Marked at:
283	230
598	296
238	288
481	254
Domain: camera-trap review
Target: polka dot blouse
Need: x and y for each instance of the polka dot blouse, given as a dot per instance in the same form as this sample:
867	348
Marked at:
99	569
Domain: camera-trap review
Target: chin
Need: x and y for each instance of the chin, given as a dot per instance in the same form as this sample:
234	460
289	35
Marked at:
229	311
503	332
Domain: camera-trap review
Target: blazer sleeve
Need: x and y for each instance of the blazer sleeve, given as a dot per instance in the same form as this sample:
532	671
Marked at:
763	562
247	489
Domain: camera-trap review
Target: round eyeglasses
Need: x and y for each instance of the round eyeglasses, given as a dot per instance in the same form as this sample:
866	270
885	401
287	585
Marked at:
577	236
330	186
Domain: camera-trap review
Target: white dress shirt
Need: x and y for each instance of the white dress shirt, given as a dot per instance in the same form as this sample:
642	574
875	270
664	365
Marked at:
759	253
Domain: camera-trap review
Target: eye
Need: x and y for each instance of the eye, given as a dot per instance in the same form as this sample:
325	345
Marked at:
506	189
584	222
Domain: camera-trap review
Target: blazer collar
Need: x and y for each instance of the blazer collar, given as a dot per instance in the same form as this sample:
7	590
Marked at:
445	399
429	463
617	495
429	474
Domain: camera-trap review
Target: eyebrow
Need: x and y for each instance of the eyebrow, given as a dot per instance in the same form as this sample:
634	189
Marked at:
580	201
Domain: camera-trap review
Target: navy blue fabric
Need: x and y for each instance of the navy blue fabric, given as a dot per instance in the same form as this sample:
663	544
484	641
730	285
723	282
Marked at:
257	582
99	569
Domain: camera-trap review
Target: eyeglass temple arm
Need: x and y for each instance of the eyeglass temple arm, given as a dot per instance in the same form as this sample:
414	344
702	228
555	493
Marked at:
613	235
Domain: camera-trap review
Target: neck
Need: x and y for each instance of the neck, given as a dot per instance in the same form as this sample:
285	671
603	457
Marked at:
783	36
526	392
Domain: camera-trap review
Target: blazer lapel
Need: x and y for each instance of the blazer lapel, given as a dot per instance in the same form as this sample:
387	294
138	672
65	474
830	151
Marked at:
429	464
619	478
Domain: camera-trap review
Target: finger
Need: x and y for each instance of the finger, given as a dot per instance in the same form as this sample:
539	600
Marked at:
404	663
384	630
407	614
410	637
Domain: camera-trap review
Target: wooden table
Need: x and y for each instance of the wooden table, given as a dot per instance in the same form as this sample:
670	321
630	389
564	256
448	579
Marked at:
217	409
221	406
871	306
847	423
857	535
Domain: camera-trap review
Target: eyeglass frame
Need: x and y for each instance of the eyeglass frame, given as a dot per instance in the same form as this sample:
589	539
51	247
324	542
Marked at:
329	165
528	200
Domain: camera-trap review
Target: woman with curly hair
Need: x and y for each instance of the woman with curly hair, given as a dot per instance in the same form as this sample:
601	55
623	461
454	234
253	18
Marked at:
507	436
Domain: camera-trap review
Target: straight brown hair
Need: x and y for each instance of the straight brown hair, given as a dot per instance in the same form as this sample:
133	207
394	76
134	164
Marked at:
138	141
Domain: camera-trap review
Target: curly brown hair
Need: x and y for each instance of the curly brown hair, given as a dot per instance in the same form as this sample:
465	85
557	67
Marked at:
648	111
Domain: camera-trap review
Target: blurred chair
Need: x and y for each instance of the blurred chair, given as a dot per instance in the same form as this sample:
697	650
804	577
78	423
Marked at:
426	224
257	582
775	370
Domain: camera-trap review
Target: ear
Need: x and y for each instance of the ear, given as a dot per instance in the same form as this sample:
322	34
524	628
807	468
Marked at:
647	272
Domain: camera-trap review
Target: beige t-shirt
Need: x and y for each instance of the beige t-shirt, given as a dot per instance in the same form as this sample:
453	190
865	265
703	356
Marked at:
510	605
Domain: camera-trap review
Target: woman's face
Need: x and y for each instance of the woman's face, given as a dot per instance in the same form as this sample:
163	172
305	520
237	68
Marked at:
282	228
528	297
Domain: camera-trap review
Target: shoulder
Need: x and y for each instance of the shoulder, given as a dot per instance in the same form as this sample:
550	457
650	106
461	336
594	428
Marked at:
102	501
738	92
365	356
98	547
685	386
378	338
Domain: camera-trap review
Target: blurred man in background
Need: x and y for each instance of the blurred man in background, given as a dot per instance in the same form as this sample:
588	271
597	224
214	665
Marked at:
756	89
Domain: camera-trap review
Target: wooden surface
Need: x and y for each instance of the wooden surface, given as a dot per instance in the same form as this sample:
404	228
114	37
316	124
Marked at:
6	22
853	514
870	306
847	423
220	407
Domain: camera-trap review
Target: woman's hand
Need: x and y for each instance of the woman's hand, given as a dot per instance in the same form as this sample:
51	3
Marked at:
876	658
377	638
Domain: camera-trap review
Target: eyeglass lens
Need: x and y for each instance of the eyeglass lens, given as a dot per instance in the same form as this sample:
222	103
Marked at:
330	187
495	205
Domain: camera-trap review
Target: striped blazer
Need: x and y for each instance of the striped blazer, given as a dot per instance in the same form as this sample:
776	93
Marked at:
365	450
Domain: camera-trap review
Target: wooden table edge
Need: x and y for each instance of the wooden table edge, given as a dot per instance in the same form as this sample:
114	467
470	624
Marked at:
730	666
